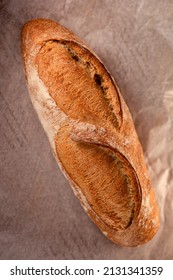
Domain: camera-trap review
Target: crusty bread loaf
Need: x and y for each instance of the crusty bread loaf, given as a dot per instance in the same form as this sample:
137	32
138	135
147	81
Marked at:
91	132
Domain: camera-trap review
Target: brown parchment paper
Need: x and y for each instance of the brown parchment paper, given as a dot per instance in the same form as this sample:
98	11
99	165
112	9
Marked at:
40	218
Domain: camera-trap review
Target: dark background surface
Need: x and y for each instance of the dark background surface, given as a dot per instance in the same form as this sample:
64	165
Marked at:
40	218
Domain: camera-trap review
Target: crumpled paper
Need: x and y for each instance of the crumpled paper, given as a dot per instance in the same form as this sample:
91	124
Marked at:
40	218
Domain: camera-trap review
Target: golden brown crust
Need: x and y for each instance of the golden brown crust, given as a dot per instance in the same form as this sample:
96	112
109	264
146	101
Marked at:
91	132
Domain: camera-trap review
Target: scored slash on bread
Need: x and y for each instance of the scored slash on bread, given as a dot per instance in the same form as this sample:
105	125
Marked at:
91	132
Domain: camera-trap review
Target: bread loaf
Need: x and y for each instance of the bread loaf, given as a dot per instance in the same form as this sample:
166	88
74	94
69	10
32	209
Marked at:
91	132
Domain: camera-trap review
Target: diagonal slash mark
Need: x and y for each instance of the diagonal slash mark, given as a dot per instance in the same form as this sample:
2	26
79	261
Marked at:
13	116
13	130
66	245
80	236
